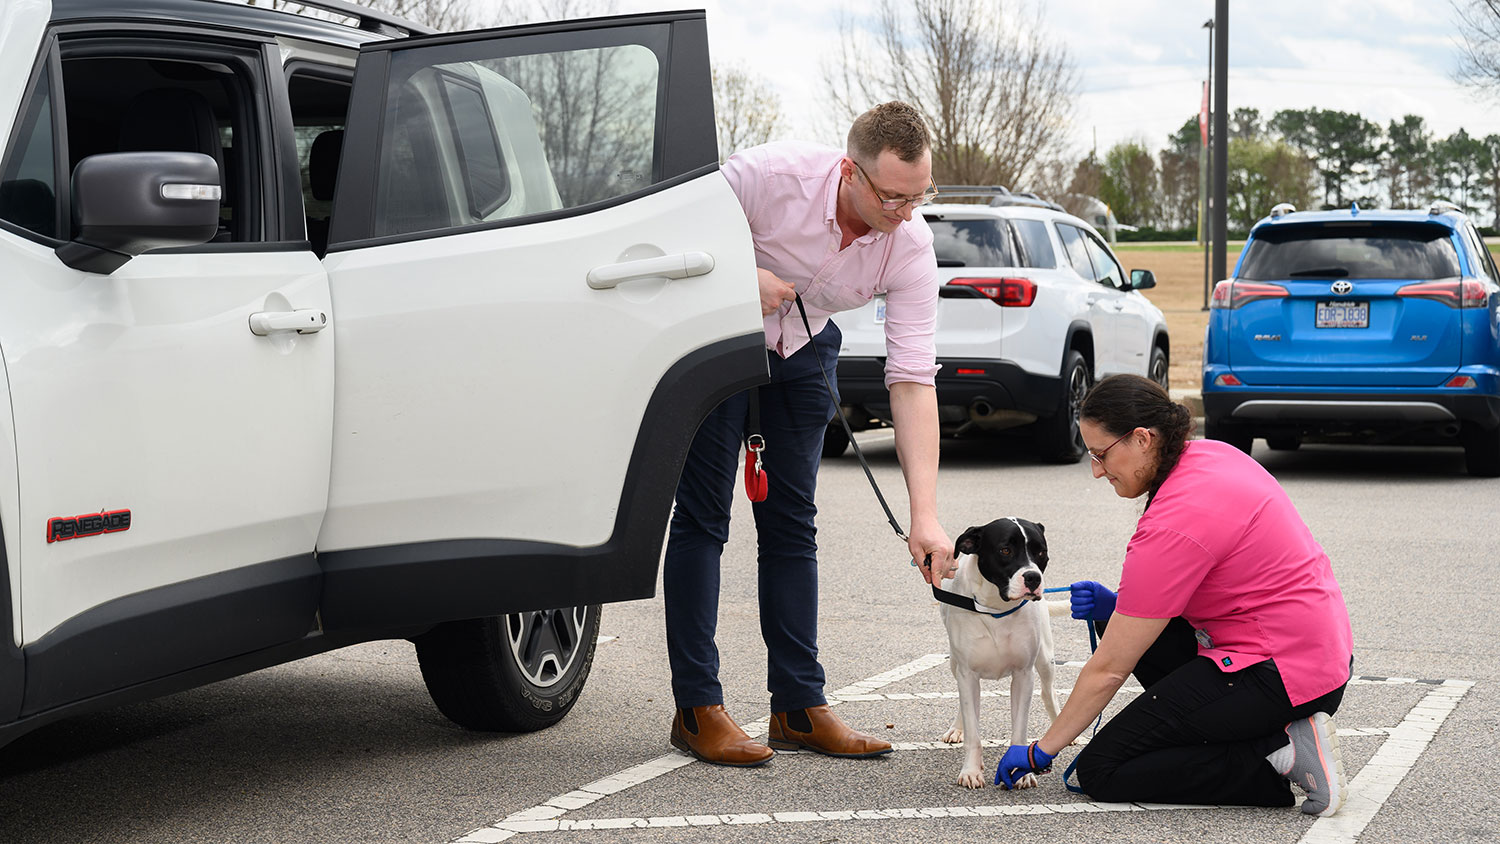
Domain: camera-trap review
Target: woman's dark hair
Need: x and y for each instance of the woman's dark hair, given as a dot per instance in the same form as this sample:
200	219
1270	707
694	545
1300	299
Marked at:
1121	403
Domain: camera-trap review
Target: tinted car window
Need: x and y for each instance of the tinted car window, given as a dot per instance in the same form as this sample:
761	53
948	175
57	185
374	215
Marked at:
28	195
1078	254
1035	243
1367	251
971	243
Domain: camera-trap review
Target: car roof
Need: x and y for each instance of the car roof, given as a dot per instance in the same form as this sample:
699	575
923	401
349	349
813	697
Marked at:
372	25
1450	218
1023	212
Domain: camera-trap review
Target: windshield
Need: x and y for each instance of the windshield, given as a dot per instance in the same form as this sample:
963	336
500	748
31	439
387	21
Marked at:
1354	251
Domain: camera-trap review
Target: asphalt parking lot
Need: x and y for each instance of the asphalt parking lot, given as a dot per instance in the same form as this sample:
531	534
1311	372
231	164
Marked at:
345	747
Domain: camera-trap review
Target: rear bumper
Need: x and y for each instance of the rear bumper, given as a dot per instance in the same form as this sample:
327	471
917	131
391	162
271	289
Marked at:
1304	411
1001	384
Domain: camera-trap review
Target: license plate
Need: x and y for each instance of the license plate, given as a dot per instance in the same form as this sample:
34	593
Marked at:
1343	315
879	310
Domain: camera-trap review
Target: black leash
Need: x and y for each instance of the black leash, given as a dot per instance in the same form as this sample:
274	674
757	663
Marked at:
889	516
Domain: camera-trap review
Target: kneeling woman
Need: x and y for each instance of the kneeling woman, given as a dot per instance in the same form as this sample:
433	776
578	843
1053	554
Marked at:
1228	614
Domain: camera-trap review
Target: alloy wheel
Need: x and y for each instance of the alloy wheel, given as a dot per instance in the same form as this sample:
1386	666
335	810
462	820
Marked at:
545	643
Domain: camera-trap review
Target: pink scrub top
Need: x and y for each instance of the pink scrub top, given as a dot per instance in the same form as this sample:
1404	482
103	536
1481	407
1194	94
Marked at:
1222	546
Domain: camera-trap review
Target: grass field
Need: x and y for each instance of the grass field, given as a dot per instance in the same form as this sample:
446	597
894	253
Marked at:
1179	294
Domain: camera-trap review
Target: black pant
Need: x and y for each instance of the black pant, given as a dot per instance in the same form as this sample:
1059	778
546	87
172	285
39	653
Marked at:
1196	735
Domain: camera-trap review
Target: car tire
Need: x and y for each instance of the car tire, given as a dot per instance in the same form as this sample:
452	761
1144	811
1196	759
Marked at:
1236	437
1283	443
835	440
1058	437
1159	371
517	673
1482	451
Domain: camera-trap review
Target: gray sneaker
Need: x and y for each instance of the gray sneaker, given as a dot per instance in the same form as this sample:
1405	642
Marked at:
1317	767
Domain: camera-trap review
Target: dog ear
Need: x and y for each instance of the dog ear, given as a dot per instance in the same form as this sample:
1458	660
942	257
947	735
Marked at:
968	542
1041	528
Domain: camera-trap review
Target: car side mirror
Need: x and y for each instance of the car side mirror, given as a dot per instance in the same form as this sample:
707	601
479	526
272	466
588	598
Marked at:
1142	279
126	203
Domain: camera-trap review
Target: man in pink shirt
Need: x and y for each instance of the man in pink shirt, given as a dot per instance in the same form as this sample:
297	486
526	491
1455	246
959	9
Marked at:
836	227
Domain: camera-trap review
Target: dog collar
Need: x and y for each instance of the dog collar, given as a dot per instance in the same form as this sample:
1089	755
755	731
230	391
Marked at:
974	606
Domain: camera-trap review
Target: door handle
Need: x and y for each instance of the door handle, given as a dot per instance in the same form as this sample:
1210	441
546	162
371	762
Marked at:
302	321
681	265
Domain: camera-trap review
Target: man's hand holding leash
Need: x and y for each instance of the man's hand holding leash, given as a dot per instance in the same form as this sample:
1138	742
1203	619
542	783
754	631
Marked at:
774	293
932	550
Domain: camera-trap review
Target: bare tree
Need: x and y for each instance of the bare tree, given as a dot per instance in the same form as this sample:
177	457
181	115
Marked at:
996	93
1479	50
746	110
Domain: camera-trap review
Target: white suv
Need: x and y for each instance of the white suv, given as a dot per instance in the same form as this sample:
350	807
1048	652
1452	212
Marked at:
306	329
1034	308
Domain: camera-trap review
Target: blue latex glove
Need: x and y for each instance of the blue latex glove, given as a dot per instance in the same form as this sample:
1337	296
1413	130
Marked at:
1020	760
1092	601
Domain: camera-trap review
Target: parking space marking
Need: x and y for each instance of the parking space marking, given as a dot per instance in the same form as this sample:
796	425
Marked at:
550	811
1397	755
1376	781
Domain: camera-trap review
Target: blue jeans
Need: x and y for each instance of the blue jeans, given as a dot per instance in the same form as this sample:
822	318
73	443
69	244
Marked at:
795	410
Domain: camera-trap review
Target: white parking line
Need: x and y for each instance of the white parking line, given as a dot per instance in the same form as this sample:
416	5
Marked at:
1376	781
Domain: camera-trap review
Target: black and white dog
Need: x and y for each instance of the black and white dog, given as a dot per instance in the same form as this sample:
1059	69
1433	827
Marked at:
1009	631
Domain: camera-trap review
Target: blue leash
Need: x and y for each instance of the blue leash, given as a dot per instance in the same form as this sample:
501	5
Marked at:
1093	646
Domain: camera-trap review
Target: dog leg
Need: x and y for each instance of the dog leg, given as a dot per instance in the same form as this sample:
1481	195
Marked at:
1044	671
972	773
1020	707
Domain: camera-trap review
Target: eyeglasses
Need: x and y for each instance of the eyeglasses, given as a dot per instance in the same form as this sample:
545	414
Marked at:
897	204
1098	456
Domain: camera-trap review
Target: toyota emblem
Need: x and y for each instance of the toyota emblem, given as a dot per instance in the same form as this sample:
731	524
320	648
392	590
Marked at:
1342	287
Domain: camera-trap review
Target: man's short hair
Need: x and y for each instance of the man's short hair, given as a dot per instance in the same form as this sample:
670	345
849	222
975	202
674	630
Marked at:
893	126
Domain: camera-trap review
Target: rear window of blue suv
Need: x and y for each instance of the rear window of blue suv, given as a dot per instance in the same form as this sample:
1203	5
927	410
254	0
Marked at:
1352	251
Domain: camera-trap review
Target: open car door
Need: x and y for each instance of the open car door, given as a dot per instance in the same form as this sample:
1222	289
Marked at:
543	285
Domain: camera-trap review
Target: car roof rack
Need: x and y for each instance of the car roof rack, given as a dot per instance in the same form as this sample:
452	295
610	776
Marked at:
998	195
367	19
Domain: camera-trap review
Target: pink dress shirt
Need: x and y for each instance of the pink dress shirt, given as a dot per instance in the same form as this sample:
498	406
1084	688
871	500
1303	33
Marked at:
1223	547
789	191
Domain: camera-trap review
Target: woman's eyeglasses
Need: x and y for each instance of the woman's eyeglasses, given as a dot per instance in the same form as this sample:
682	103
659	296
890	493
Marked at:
896	204
1098	456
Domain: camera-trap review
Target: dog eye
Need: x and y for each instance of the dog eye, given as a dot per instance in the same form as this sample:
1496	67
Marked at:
1005	552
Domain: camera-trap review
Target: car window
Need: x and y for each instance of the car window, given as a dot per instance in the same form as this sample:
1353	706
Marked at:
1106	269
28	180
498	137
1394	251
1035	243
1483	265
1078	253
971	243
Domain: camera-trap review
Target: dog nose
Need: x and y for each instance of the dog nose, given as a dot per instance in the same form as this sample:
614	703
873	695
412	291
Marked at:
1032	580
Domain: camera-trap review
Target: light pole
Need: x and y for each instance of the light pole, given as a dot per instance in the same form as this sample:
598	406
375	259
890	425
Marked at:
1203	160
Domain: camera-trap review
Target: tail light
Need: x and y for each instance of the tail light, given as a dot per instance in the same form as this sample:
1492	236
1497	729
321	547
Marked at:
1007	292
1453	292
1233	294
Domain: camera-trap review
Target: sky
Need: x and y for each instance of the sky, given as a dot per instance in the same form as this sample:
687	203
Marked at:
1142	62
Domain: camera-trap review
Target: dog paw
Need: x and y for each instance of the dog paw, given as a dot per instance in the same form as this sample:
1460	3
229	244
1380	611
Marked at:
974	779
1027	781
953	736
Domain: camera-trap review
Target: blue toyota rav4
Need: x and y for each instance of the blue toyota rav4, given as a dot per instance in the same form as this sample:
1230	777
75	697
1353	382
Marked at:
1358	326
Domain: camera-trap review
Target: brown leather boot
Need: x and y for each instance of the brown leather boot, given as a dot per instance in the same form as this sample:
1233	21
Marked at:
710	734
817	728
